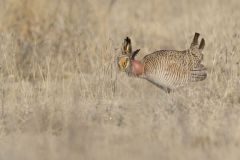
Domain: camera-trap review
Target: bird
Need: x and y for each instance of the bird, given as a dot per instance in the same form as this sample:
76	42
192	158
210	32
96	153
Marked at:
167	69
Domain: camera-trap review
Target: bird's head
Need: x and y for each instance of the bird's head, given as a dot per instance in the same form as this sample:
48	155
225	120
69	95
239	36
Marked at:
123	63
127	55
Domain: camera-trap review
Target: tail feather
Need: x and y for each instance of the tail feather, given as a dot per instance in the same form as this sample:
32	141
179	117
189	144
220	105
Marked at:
195	40
198	73
196	49
202	44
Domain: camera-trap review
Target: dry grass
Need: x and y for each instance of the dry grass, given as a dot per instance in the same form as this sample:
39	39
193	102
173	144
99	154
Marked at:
62	98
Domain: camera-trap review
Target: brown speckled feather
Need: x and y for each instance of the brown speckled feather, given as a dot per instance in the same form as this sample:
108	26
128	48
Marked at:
172	69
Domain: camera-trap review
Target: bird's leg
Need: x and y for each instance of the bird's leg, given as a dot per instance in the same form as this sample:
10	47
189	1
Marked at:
167	90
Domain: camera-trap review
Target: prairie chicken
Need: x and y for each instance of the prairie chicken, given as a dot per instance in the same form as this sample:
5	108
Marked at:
167	69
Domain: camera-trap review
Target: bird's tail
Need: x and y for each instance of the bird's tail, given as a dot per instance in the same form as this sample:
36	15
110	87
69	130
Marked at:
198	73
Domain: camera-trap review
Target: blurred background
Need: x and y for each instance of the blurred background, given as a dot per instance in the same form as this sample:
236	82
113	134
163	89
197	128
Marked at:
62	97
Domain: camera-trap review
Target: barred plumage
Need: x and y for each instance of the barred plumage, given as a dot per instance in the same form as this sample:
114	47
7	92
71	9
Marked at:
168	69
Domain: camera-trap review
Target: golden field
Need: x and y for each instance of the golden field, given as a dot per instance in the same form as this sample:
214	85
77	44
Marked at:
62	97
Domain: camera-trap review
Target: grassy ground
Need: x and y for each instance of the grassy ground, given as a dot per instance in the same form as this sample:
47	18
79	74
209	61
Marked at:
61	96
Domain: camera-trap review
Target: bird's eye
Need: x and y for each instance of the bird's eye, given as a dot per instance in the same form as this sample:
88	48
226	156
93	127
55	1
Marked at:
124	63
